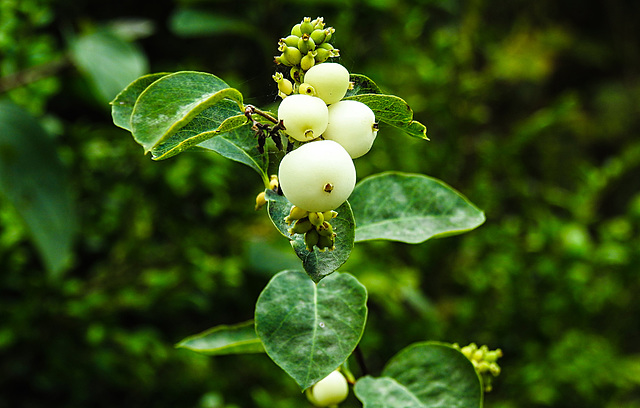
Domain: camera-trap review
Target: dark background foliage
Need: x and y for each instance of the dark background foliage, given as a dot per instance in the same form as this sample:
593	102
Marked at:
532	110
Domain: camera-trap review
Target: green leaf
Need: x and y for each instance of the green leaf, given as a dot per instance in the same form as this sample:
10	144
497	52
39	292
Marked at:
437	374
410	208
385	392
222	340
172	101
362	85
122	105
239	145
394	111
196	23
317	264
310	329
34	180
213	121
109	62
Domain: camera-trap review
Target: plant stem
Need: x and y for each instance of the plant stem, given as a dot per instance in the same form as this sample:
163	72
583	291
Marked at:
33	74
360	359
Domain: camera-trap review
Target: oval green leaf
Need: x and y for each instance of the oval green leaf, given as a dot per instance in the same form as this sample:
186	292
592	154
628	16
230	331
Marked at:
385	392
310	329
223	340
122	105
109	62
410	208
393	111
317	264
35	181
172	101
437	374
362	84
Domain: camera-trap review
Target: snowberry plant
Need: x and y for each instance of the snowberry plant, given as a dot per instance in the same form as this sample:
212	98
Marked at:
310	321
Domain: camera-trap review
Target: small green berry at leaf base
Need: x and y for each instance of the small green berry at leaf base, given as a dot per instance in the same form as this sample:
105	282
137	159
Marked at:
304	117
318	176
330	80
331	390
352	124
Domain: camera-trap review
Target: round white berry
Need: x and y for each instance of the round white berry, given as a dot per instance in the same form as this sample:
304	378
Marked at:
330	81
304	117
352	124
331	390
318	176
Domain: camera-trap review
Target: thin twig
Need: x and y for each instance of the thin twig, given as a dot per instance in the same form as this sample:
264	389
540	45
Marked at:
360	359
33	74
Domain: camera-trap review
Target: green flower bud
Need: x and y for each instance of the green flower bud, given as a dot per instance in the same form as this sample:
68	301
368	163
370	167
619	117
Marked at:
295	213
305	26
273	182
316	218
291	41
318	36
292	54
308	61
325	229
311	239
301	226
325	242
329	31
296	30
322	55
318	23
306	89
329	214
280	59
296	74
260	200
306	44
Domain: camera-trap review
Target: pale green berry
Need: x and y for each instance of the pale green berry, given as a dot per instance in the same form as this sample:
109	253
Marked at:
304	117
352	124
331	390
318	176
330	80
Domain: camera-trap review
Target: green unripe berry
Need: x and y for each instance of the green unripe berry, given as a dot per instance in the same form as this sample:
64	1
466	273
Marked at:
296	74
330	80
325	229
308	61
318	23
292	54
306	44
281	59
329	215
296	30
311	239
331	390
352	124
326	242
306	89
318	176
304	117
305	26
291	41
295	213
329	32
318	36
322	55
316	218
301	226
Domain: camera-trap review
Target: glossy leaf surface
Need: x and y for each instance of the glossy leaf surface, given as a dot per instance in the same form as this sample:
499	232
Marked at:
317	264
222	340
393	111
171	102
122	105
310	329
385	392
437	375
410	208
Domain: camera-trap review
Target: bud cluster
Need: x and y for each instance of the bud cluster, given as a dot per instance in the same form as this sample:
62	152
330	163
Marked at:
314	225
307	45
484	360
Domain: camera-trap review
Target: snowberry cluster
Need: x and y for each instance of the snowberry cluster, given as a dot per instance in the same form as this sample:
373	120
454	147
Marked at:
319	175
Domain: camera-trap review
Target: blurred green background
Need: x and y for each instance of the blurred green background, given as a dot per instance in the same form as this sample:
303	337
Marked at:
533	113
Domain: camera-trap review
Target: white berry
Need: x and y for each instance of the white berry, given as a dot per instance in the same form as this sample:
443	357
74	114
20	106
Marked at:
331	390
352	124
318	176
330	81
304	117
